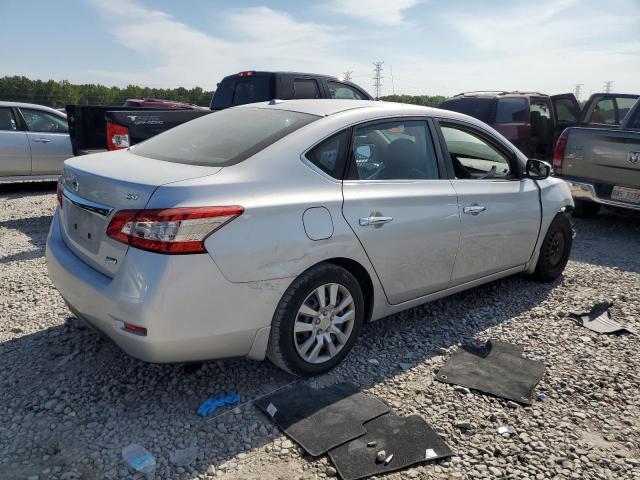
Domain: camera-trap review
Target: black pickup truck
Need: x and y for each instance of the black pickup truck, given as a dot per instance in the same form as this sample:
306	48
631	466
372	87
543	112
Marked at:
98	128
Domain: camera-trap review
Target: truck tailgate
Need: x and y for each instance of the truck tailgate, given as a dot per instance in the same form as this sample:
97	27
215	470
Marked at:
606	156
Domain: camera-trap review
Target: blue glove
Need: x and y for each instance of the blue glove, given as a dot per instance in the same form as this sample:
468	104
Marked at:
212	403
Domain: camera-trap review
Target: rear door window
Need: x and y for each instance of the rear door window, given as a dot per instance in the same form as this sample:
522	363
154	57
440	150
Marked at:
511	110
223	138
234	91
566	111
45	122
624	105
305	88
7	119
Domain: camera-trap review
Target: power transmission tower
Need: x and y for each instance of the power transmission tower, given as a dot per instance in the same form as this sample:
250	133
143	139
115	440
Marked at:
377	78
393	83
607	86
347	75
577	91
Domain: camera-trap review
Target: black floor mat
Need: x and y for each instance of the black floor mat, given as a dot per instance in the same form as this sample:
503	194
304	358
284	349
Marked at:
497	368
322	419
599	320
410	439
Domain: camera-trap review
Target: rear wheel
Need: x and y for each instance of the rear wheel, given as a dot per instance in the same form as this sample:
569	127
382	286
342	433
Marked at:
584	208
317	321
555	249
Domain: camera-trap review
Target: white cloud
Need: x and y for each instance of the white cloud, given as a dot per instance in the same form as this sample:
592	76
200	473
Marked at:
380	12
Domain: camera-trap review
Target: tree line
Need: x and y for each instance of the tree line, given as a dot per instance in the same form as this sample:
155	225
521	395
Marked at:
57	94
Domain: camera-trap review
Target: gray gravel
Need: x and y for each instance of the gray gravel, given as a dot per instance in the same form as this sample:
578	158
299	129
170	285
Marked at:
70	401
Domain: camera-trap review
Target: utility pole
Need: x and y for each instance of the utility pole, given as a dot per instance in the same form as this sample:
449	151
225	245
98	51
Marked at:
577	91
377	78
607	86
393	84
346	76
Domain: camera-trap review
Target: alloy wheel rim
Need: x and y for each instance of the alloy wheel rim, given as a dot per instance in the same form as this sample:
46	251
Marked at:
324	323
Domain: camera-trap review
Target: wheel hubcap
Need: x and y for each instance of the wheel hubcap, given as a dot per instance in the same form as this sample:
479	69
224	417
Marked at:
324	323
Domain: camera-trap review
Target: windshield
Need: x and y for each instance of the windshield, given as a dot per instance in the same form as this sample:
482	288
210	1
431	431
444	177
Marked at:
223	138
480	108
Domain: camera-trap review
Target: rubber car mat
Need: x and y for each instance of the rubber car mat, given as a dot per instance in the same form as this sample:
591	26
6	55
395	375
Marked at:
599	320
409	439
497	368
322	419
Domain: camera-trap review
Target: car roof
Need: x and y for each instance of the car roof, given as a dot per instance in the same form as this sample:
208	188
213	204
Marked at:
31	105
328	107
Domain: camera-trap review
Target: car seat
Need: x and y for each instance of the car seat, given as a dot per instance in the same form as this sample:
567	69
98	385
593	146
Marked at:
402	160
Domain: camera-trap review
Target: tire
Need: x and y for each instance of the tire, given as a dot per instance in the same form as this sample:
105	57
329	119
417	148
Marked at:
586	209
291	352
555	249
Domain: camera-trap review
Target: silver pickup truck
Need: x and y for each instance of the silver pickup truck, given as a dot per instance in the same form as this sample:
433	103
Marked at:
601	165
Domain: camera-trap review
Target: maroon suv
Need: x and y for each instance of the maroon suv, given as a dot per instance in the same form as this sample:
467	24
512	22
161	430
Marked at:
533	121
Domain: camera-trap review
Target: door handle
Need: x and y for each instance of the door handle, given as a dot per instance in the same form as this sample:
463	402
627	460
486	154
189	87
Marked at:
41	140
474	209
365	221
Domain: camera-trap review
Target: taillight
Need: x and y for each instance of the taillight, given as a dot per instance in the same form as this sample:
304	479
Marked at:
558	152
117	136
59	191
172	230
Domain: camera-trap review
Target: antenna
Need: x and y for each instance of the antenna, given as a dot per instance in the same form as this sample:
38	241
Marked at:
607	86
577	91
377	78
346	76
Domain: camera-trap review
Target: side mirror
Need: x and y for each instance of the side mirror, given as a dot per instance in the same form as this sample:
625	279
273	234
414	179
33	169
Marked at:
538	169
364	152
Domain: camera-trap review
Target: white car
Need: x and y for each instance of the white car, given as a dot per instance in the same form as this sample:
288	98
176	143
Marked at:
280	228
34	142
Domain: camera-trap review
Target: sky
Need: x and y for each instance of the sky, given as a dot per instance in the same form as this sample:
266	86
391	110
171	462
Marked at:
431	47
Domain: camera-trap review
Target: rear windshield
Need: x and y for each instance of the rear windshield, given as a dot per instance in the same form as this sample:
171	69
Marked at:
480	108
234	91
223	138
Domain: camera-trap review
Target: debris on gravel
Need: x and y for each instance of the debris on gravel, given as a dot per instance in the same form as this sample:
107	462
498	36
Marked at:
70	401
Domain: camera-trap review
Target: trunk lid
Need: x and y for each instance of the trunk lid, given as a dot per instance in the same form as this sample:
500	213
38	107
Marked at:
96	186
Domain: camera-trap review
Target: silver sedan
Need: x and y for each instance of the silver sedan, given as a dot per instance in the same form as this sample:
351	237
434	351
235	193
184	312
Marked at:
34	142
279	229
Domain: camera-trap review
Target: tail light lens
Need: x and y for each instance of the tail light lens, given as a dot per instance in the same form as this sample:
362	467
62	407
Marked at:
558	152
172	230
117	136
59	191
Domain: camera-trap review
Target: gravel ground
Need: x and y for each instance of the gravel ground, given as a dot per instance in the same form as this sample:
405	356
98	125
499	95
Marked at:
70	401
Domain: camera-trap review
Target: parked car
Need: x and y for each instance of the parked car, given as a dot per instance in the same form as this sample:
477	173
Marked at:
533	121
278	229
99	128
34	142
601	165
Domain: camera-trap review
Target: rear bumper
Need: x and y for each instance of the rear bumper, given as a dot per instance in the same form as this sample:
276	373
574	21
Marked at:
191	312
583	190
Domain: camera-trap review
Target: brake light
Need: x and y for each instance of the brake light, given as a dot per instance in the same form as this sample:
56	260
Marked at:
171	230
248	73
117	136
558	151
59	191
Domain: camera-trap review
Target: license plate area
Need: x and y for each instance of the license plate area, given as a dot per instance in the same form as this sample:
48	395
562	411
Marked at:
84	228
625	194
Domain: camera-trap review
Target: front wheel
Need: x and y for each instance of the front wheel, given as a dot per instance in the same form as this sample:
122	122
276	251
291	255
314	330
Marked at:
555	249
317	321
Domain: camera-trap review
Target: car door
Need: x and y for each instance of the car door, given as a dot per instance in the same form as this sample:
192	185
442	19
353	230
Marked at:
566	112
500	210
48	136
15	155
401	208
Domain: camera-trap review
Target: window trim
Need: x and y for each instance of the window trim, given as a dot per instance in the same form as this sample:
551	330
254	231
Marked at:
512	157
